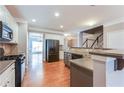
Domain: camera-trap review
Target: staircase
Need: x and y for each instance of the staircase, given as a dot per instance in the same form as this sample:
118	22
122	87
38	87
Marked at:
97	43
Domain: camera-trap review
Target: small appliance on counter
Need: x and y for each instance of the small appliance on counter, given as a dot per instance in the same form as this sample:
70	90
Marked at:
6	33
19	66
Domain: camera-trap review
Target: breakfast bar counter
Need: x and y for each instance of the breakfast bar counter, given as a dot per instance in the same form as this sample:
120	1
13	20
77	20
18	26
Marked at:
81	72
108	53
108	68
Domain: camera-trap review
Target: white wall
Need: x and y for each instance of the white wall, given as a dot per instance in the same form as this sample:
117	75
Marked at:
23	39
114	36
115	39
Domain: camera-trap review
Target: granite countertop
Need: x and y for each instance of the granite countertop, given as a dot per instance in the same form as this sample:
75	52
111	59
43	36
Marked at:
84	63
109	53
5	64
102	52
74	52
80	51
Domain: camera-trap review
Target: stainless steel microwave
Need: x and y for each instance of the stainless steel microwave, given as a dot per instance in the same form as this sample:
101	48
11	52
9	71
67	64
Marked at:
6	32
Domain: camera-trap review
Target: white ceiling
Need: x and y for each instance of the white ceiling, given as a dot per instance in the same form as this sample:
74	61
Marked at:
71	16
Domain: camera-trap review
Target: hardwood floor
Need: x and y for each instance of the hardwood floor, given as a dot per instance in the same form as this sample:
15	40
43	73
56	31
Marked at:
47	75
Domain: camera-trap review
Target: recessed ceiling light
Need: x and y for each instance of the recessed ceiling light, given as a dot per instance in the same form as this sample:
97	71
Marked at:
91	23
33	20
61	26
56	14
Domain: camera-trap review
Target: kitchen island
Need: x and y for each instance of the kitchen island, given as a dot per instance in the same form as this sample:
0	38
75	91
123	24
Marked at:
81	72
108	68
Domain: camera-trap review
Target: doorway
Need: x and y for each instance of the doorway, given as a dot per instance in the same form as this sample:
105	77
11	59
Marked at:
35	49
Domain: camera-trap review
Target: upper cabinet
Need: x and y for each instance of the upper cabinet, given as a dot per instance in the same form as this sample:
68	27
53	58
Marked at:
7	18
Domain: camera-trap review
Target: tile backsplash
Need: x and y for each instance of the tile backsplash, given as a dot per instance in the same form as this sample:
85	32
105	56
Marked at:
9	48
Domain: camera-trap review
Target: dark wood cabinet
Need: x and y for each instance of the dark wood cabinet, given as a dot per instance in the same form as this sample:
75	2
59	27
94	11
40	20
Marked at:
80	77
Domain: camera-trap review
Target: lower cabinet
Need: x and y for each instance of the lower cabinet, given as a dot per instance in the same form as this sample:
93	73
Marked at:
7	78
80	77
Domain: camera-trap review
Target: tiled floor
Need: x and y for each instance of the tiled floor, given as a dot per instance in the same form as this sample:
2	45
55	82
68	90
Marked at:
47	75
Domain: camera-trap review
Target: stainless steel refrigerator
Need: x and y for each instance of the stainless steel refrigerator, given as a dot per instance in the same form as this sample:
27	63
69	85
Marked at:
52	50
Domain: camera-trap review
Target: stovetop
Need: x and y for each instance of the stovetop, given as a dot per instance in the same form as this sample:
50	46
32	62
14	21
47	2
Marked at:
10	57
